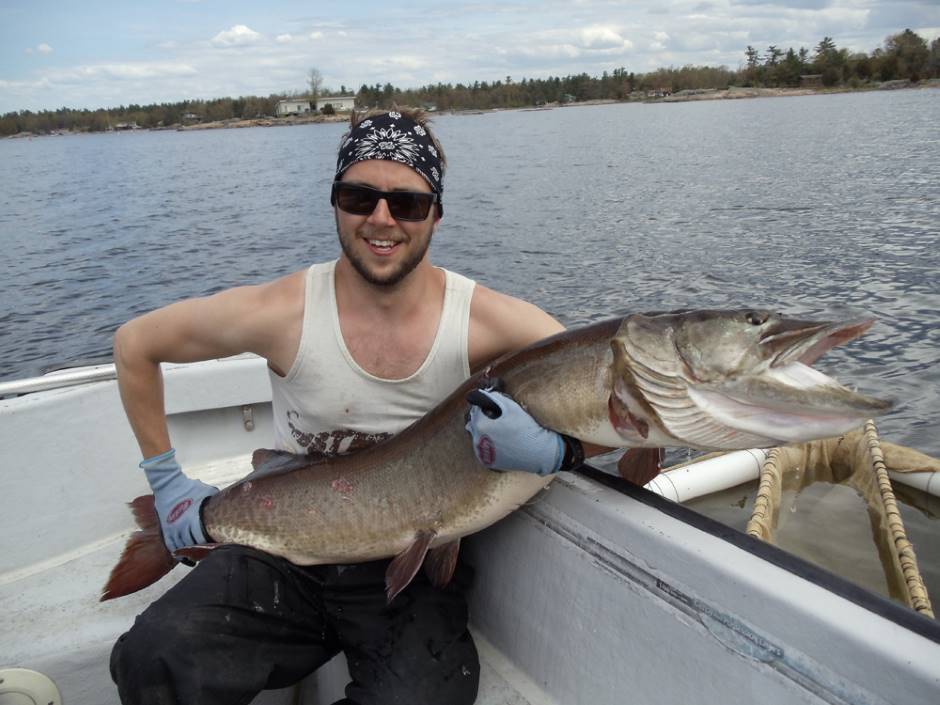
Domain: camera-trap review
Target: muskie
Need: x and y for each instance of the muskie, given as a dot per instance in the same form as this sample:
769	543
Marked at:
715	380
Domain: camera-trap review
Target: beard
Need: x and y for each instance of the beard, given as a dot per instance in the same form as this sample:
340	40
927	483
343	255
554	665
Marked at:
396	275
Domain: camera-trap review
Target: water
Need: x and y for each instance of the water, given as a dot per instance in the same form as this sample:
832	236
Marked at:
818	205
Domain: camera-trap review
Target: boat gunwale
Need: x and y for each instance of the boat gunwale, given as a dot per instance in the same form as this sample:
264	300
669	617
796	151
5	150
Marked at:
66	376
884	607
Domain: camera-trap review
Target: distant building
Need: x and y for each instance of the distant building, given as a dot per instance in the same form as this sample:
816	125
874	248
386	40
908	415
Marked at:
812	80
190	117
291	107
340	103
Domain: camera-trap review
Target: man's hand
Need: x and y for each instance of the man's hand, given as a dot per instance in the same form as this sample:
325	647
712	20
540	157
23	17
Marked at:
506	437
177	499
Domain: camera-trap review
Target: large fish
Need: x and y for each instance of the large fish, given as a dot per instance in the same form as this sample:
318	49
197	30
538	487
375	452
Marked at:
703	379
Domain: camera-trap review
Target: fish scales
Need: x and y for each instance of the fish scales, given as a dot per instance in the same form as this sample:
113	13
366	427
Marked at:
366	506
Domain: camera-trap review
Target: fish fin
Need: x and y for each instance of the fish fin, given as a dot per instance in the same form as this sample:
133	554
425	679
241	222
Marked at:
404	566
274	462
441	562
640	465
195	553
145	558
145	512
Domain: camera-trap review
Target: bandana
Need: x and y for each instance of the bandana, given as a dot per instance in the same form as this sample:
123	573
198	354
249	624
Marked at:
395	137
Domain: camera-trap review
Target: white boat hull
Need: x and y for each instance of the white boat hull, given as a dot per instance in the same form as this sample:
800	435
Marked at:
585	596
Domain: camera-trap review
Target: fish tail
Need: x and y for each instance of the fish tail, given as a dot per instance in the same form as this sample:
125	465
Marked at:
145	558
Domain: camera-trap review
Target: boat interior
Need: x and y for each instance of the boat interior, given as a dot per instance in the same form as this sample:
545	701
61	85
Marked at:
597	592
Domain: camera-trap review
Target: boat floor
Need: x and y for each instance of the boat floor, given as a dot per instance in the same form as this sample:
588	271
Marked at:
54	623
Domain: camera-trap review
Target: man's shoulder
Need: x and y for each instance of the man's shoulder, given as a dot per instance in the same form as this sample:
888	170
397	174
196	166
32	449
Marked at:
500	323
491	304
290	287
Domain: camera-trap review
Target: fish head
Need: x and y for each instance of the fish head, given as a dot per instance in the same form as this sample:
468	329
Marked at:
731	379
713	346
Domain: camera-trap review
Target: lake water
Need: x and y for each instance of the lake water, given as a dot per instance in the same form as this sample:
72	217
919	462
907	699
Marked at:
822	205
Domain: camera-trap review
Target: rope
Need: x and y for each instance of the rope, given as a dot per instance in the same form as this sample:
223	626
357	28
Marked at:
856	459
919	599
767	502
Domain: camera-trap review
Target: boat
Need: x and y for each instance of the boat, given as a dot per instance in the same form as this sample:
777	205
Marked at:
599	592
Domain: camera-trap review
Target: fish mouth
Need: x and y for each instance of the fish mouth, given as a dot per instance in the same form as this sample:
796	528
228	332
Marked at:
770	398
790	401
791	341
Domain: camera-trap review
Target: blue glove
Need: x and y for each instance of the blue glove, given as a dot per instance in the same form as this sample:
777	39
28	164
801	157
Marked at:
177	499
506	437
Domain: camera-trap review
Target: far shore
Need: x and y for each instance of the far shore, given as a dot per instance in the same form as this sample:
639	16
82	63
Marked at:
731	93
738	92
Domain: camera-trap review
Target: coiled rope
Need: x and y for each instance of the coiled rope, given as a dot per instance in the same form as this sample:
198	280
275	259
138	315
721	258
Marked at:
858	460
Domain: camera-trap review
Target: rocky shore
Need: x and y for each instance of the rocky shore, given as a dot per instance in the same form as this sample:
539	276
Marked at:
235	123
736	92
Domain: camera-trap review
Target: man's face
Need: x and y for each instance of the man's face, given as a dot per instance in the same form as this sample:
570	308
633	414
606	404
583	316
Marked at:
381	249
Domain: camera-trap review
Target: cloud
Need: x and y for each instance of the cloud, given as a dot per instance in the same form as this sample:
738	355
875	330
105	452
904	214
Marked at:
239	35
406	62
41	83
42	48
659	41
129	71
581	42
789	4
600	37
288	38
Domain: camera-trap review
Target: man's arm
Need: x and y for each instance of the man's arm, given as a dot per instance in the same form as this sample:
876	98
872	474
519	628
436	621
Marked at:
260	319
500	324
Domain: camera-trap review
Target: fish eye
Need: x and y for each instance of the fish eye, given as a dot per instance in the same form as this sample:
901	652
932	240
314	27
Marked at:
756	318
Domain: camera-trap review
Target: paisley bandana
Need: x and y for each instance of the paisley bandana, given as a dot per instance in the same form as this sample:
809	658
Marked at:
395	137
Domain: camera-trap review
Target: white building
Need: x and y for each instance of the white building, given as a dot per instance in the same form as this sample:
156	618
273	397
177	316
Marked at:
340	103
291	107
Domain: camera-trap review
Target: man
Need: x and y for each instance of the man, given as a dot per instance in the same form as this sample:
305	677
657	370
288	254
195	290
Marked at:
358	349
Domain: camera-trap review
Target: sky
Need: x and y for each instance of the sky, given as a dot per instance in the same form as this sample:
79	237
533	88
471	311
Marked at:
105	53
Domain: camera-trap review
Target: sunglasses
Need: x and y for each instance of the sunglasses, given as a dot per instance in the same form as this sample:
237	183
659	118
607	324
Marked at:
361	200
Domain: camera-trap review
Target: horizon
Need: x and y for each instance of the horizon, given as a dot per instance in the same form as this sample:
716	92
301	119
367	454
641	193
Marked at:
107	54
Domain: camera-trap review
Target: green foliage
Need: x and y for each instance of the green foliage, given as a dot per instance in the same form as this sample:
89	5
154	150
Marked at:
911	57
933	59
904	56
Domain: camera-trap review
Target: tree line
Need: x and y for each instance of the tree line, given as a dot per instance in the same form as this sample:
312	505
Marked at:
904	56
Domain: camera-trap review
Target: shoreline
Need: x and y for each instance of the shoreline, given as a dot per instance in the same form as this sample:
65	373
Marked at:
238	123
739	92
684	96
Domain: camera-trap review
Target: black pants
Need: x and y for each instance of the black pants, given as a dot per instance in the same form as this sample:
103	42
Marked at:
243	621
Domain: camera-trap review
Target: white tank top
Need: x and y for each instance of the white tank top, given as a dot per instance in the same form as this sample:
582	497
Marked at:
327	404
